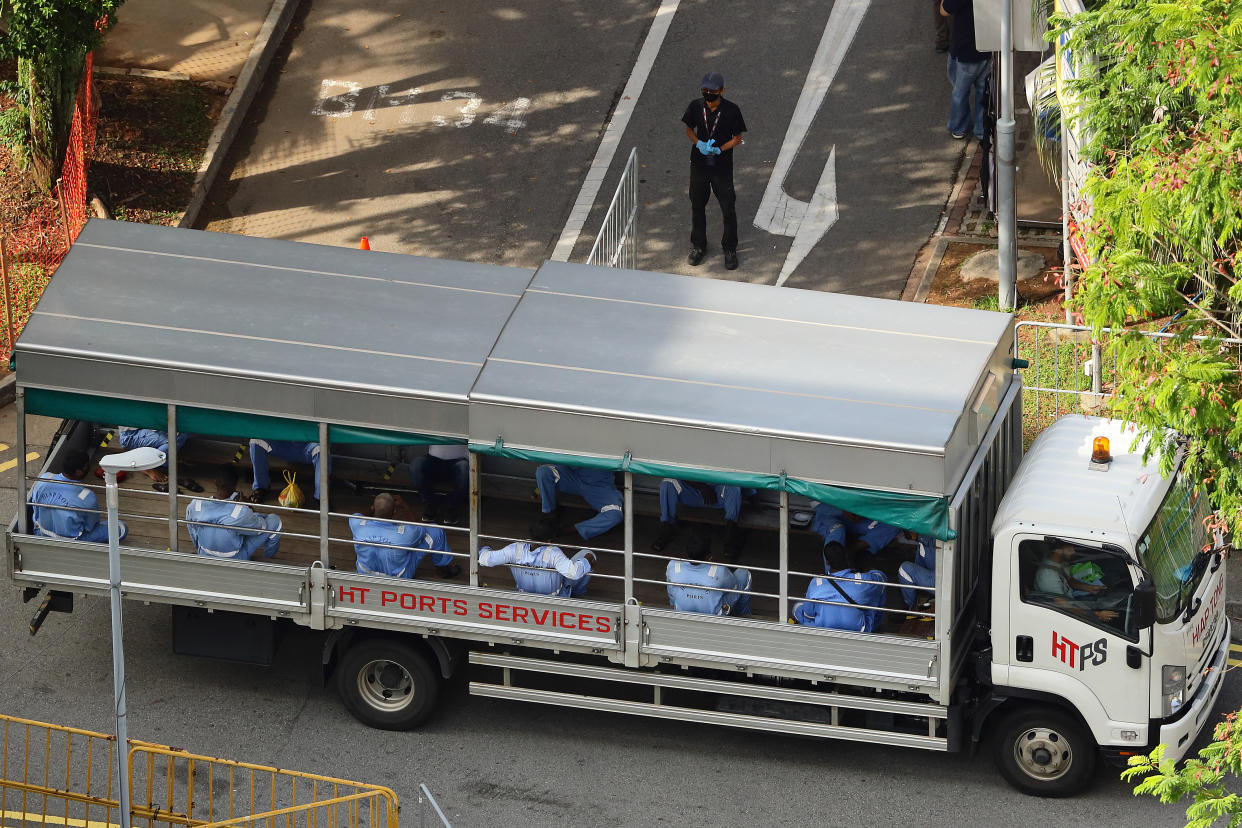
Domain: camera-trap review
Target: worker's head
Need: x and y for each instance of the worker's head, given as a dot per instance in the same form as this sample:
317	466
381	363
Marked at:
384	505
226	481
712	87
1061	551
698	546
545	528
74	464
837	557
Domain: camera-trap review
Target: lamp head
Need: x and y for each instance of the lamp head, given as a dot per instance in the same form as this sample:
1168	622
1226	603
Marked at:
139	459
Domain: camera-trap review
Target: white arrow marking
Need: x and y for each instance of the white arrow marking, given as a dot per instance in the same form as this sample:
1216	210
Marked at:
778	212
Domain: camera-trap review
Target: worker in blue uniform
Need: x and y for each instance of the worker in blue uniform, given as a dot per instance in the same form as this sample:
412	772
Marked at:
695	584
829	523
595	486
414	542
223	527
542	570
57	497
920	572
870	535
132	438
287	450
855	601
727	498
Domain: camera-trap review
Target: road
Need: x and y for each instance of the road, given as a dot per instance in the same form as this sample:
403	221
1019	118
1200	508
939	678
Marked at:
466	132
499	763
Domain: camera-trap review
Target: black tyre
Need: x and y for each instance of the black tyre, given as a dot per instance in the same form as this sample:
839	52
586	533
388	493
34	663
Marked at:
387	684
1043	751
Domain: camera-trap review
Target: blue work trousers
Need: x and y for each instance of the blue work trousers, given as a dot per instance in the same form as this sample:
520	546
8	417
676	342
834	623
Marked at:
604	498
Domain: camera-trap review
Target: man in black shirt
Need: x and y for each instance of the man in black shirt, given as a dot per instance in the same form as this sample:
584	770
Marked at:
715	127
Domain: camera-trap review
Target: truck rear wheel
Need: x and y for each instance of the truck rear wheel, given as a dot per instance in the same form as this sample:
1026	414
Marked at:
387	684
1045	752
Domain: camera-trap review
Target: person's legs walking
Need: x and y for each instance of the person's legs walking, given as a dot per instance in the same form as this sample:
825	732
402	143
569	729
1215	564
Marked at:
962	77
700	190
981	84
722	186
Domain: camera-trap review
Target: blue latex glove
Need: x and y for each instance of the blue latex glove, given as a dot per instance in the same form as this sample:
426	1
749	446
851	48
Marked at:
705	147
712	148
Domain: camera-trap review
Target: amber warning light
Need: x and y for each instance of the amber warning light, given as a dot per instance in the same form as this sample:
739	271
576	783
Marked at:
1099	451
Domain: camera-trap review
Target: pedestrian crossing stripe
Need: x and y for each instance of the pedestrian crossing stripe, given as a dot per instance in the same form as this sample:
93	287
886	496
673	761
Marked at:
8	464
1235	655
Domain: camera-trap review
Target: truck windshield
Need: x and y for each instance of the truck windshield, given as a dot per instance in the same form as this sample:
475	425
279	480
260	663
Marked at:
1171	547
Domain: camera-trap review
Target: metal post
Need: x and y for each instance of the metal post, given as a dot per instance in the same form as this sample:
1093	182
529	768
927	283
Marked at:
64	215
1067	249
172	477
784	556
23	508
1006	217
1097	368
476	505
629	537
325	460
118	648
10	336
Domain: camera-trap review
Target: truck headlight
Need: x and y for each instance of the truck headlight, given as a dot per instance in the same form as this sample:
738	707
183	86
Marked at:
1173	687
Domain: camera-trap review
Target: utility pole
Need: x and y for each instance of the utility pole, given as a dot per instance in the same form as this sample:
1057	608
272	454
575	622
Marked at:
1006	207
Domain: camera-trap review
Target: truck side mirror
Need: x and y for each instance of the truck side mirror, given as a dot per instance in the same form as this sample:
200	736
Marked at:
1144	604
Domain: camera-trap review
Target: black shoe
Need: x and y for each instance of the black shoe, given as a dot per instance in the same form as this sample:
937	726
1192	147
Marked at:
448	570
942	47
450	518
730	260
696	256
668	531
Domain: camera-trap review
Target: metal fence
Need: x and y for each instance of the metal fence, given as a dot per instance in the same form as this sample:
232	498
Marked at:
54	775
617	242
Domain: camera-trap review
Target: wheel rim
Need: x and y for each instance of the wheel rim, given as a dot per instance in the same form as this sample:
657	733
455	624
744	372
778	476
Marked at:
385	685
1042	753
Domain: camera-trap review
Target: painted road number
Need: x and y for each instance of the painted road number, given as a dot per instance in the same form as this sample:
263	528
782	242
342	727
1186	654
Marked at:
340	99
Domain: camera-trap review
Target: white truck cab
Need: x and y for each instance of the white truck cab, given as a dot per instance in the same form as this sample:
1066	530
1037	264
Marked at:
1107	601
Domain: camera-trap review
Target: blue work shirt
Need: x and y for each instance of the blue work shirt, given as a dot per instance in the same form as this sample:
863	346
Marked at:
416	541
557	574
236	532
876	534
54	490
684	576
828	523
854	618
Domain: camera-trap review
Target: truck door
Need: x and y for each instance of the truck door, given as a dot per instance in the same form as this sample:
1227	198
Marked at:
1072	621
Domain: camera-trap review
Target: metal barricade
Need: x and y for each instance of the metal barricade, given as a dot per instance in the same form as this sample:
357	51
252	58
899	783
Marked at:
64	776
617	242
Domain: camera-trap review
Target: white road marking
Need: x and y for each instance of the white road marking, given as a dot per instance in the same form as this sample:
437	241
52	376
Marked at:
337	106
512	116
779	213
616	128
467	112
380	91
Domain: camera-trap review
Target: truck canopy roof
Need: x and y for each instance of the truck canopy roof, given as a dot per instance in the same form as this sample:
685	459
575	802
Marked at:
712	374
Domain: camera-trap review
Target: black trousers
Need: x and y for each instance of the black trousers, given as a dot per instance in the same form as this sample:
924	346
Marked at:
703	182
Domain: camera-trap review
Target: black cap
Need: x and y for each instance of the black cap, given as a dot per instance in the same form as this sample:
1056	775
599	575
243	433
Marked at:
712	80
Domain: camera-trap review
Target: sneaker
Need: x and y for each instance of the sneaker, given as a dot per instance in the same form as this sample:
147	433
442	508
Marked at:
959	135
696	256
448	570
730	260
668	531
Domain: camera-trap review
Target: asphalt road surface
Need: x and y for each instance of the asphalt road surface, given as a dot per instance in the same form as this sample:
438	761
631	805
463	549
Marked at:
500	763
466	130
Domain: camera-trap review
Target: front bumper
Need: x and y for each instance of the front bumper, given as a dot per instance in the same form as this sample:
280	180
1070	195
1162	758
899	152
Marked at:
1180	735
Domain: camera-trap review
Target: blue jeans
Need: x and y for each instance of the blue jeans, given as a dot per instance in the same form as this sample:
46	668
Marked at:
965	77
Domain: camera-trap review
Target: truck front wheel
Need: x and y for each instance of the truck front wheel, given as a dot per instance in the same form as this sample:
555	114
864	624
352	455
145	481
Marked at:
387	684
1045	752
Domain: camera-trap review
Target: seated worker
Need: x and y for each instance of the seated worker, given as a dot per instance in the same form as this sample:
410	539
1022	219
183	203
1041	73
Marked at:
688	577
56	497
870	535
224	527
829	523
1055	580
290	452
448	463
415	542
919	572
542	570
595	486
728	498
132	438
854	599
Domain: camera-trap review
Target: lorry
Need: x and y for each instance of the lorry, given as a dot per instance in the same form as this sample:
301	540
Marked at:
894	412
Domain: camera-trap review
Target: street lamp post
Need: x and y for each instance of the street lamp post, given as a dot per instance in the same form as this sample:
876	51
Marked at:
139	459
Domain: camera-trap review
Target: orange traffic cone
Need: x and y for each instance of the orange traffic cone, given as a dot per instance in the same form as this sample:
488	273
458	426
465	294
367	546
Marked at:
365	244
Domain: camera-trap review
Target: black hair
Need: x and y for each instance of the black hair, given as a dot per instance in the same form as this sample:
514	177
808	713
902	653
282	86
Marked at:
837	557
544	528
226	477
698	547
73	461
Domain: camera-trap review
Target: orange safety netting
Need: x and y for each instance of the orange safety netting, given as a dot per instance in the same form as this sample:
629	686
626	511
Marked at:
34	250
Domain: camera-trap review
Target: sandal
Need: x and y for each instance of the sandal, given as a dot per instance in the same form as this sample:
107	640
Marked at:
160	487
191	485
259	495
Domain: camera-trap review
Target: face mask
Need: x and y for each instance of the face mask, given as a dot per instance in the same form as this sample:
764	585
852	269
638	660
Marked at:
711	97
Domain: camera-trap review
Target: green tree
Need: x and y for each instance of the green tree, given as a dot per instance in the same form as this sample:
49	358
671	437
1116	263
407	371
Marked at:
50	40
1204	779
1161	114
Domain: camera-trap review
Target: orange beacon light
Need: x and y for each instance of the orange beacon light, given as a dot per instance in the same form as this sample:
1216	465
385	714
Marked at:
1099	451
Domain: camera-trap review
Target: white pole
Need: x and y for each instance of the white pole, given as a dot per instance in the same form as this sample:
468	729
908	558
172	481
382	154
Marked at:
1006	218
118	647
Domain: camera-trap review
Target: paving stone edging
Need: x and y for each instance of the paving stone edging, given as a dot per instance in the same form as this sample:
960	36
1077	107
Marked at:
248	82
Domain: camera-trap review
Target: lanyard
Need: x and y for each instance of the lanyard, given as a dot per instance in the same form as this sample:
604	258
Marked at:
712	130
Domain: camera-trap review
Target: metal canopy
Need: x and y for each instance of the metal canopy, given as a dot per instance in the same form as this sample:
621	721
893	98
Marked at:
266	326
744	378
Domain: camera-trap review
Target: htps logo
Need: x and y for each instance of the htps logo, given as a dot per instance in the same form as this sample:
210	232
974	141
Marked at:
1079	655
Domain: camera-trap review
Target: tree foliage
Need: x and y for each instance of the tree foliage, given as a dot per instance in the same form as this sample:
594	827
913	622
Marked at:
50	40
1203	779
1161	117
